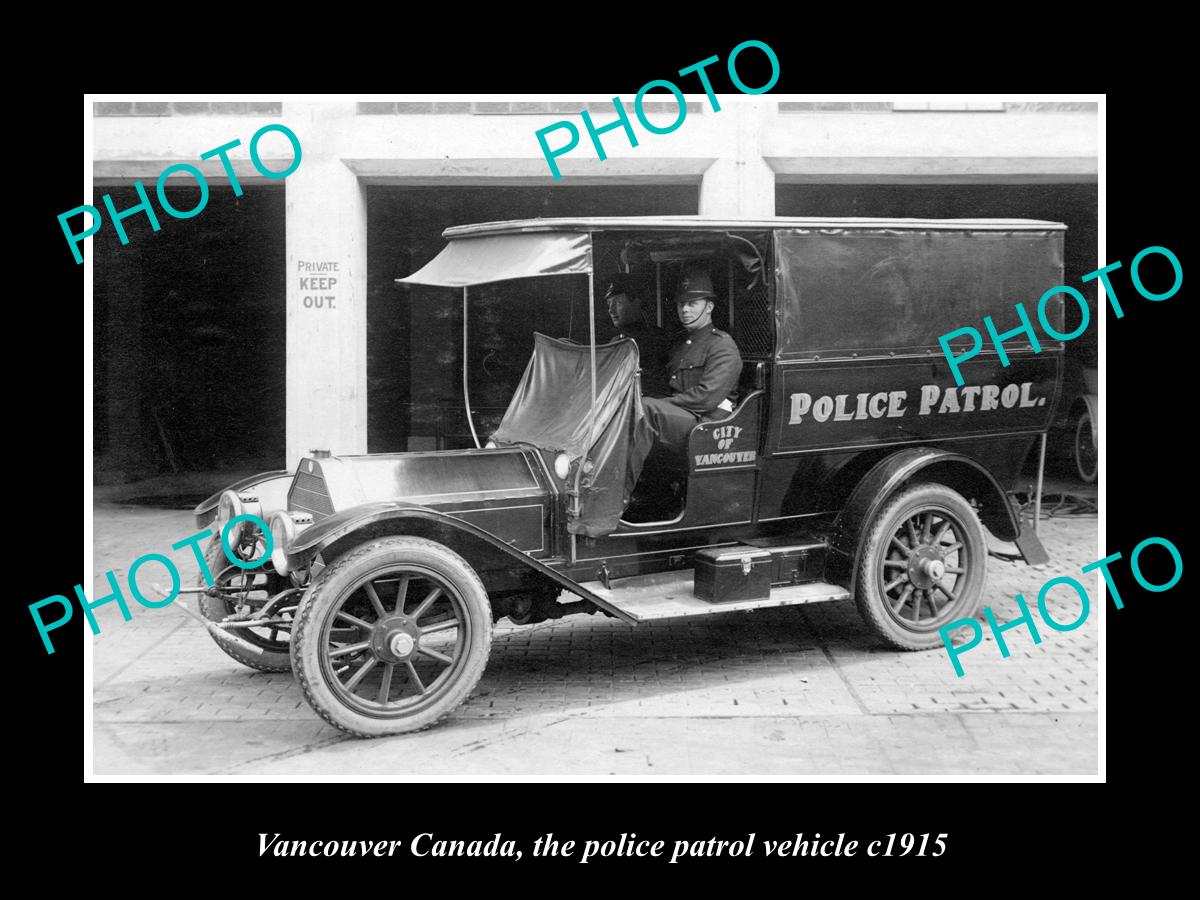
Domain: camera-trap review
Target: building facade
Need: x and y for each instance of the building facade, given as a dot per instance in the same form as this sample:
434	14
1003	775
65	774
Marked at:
270	323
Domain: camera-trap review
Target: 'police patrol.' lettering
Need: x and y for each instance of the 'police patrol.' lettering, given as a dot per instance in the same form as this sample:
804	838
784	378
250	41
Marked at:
934	400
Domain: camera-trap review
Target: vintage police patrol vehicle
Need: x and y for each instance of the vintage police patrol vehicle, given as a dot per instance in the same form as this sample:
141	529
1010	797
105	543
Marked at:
852	467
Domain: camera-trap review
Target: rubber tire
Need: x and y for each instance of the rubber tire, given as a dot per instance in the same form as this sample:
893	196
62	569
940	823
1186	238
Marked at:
327	589
903	504
1081	422
214	608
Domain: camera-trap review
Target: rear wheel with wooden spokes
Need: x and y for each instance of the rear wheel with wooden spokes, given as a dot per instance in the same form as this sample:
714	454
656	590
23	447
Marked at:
392	636
923	565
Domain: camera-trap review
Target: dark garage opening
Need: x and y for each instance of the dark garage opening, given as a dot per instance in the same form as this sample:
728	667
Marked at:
190	338
414	334
1075	205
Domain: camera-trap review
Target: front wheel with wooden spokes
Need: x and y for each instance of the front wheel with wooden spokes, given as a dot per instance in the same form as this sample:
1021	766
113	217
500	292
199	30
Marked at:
392	636
923	565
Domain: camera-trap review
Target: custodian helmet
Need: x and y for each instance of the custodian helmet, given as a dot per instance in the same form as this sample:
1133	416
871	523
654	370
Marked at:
694	284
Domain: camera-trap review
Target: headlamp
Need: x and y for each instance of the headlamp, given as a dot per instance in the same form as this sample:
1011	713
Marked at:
283	532
562	466
229	507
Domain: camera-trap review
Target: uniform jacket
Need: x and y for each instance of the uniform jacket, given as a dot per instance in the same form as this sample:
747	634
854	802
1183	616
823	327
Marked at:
704	369
653	346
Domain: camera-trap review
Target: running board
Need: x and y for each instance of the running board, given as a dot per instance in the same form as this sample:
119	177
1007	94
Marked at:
668	595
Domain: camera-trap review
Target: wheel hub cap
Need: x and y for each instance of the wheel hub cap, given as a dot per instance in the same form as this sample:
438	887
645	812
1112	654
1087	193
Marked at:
401	644
926	567
395	639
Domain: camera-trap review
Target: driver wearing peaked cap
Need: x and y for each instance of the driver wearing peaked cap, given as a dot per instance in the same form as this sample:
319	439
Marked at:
703	367
625	295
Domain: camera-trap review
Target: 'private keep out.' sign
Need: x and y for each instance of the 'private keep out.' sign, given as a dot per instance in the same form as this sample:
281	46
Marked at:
318	284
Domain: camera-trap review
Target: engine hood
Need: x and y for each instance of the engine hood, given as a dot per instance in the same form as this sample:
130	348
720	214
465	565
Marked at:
449	480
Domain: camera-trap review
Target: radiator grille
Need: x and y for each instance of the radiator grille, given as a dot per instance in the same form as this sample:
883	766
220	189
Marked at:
309	494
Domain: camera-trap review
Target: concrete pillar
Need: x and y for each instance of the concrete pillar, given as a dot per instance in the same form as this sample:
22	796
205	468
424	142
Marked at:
326	287
740	183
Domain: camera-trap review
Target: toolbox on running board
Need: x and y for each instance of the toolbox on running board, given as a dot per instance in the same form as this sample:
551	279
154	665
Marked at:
726	574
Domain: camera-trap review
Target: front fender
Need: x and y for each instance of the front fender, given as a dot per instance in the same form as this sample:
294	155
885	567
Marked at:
345	524
271	488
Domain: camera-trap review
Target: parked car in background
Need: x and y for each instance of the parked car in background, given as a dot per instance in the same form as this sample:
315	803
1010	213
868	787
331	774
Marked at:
1073	437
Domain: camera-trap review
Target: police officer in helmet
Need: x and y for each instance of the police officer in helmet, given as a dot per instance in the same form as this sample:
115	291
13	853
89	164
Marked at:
703	366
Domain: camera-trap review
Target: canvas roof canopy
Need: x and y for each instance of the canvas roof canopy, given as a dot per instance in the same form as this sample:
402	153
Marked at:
499	257
498	251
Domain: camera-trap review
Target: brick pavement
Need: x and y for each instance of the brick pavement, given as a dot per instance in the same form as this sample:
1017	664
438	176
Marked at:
774	693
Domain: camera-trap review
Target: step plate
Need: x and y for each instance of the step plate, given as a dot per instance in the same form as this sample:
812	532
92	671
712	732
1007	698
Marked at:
668	595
